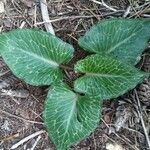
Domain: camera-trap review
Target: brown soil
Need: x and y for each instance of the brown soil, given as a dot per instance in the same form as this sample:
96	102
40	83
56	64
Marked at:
21	115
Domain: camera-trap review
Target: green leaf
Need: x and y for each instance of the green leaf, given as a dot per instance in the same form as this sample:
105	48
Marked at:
106	77
2	42
124	39
69	117
35	56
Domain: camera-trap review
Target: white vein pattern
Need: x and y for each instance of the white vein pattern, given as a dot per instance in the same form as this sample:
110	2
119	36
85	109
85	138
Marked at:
68	117
125	39
35	56
106	77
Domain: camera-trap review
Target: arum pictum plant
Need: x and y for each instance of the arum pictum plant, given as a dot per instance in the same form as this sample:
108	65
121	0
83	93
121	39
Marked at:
71	114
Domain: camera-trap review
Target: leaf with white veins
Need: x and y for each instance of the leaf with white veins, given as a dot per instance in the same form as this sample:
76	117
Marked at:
106	77
69	117
35	56
124	39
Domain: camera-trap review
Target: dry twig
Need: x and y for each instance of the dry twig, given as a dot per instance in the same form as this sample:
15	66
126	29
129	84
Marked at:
78	17
141	117
104	4
3	73
26	120
45	16
16	93
37	140
27	138
127	12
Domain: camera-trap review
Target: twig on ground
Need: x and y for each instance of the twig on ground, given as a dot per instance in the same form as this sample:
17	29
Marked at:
26	120
15	93
79	17
127	12
142	120
37	140
3	73
64	18
45	16
127	142
103	4
27	138
22	25
35	15
145	15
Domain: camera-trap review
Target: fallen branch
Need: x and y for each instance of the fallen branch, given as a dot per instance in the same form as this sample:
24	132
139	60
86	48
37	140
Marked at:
45	16
27	138
104	4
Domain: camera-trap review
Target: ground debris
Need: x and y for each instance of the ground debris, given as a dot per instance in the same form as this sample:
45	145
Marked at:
110	146
2	8
122	116
28	3
4	84
5	126
15	93
144	92
70	19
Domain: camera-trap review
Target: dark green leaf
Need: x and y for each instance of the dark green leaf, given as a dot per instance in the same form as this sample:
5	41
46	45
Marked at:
125	39
69	117
106	77
35	56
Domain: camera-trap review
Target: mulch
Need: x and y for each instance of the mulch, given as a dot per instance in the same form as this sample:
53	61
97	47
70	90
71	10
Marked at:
21	115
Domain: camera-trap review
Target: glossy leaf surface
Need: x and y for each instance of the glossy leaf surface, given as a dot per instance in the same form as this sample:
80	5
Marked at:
69	117
124	39
35	56
106	77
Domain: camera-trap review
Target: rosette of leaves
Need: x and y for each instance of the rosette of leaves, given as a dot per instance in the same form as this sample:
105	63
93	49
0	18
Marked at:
69	114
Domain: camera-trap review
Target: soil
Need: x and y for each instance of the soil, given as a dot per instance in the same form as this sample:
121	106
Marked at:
21	112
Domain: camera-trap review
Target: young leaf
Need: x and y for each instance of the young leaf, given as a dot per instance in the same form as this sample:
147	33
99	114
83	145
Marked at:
35	56
106	77
69	117
125	39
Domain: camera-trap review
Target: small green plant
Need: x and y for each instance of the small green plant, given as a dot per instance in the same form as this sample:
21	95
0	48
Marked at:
71	114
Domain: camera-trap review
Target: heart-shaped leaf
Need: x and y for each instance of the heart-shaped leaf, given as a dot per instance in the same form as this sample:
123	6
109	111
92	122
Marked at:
69	117
35	56
106	77
125	39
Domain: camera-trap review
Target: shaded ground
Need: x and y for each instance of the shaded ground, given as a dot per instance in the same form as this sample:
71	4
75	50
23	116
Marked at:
21	115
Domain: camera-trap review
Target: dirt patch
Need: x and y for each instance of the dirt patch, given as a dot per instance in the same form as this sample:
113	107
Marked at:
21	115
